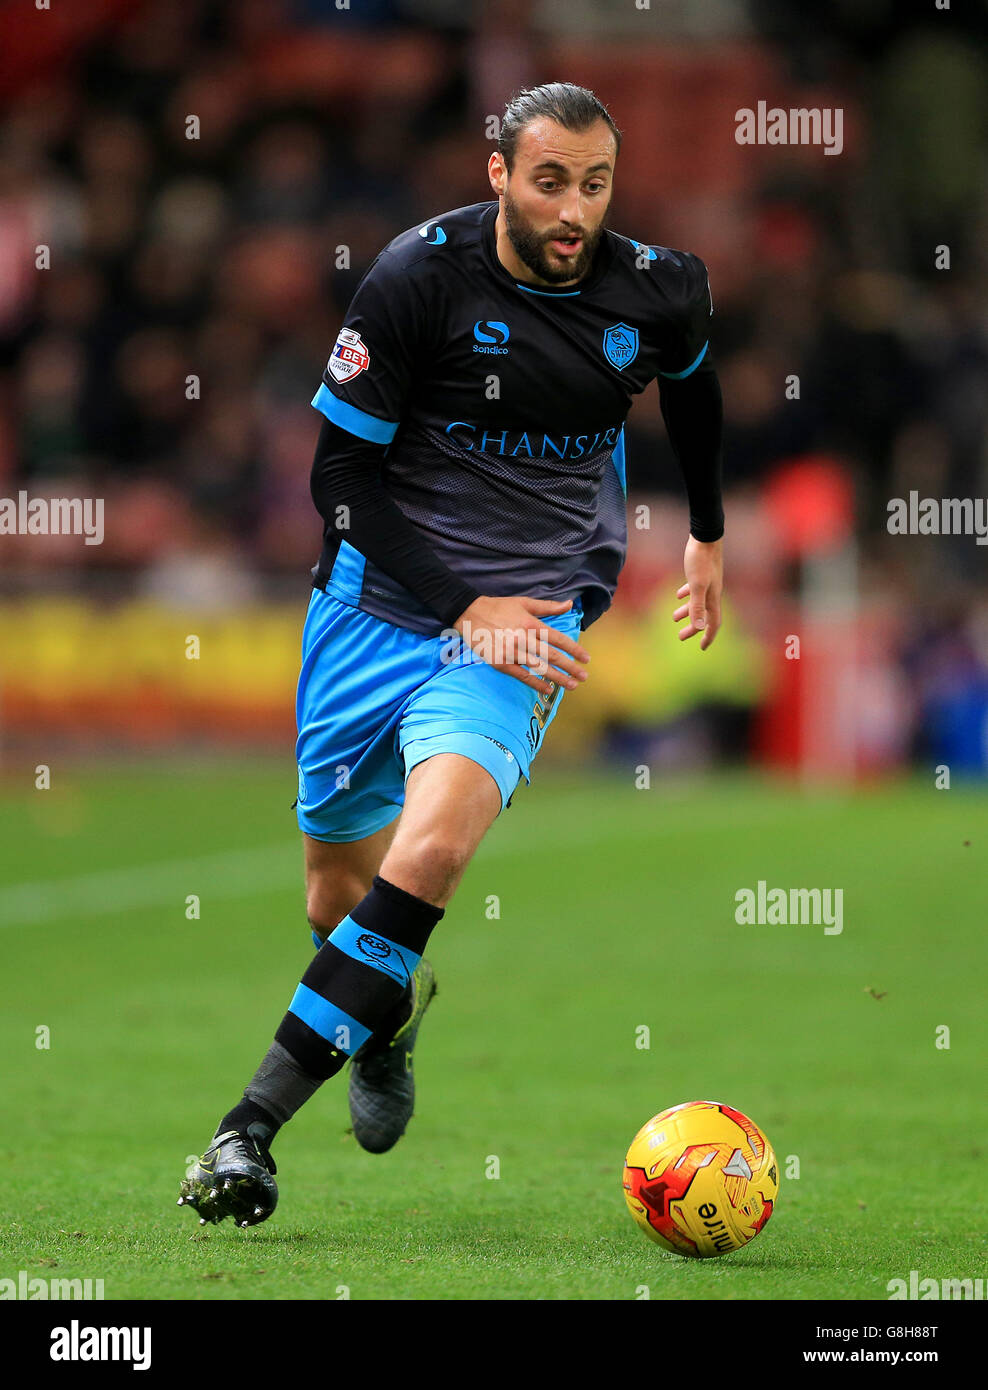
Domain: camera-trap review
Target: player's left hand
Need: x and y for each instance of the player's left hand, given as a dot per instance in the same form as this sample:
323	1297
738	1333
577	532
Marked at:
703	565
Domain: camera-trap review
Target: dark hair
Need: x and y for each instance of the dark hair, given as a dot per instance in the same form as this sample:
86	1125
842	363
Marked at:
574	108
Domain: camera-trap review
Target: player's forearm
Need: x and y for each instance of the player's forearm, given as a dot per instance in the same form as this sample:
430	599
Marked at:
346	474
693	410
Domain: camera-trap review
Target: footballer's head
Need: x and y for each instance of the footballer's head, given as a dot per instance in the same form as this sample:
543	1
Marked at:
553	172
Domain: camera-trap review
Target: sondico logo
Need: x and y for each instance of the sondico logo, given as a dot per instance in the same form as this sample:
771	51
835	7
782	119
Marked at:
491	335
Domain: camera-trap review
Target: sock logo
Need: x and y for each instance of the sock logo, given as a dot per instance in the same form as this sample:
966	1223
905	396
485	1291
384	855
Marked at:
378	951
373	946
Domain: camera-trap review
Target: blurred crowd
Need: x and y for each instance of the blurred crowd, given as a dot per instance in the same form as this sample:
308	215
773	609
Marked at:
212	179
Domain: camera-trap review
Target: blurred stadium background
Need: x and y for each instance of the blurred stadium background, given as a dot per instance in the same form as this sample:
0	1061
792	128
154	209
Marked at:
219	257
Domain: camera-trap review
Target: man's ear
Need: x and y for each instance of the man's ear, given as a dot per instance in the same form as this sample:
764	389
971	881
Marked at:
497	173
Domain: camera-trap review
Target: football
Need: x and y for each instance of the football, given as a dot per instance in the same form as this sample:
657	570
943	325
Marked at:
701	1179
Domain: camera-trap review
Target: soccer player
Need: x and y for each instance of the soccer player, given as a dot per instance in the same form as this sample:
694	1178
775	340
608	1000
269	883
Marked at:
470	475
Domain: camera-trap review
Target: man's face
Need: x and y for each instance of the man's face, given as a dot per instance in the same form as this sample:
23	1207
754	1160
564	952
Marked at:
556	197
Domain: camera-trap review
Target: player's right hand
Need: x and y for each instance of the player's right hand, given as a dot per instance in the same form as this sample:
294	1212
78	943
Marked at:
508	634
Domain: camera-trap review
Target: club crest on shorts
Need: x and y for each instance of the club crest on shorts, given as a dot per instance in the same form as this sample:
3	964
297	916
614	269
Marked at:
620	345
350	356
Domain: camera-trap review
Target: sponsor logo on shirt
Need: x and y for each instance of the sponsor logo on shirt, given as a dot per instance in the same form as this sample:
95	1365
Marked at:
350	356
491	335
438	237
528	444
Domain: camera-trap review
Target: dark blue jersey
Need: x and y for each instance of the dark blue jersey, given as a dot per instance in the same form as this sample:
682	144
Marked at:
502	407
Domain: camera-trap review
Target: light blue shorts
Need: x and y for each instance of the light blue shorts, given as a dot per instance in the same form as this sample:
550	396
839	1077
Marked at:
374	700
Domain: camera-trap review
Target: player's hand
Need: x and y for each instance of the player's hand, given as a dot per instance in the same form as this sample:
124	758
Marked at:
508	634
703	565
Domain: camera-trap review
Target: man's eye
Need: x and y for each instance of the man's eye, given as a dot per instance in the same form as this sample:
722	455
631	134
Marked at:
547	185
595	188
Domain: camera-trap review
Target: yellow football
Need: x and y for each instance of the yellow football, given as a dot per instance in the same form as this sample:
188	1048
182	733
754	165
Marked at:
701	1179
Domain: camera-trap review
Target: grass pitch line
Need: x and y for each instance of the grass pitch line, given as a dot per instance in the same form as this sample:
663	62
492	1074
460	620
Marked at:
231	874
227	874
271	868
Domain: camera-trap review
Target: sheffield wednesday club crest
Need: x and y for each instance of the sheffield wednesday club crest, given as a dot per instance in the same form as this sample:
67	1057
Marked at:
620	345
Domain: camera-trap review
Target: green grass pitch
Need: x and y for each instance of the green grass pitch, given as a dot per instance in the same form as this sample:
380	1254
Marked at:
616	910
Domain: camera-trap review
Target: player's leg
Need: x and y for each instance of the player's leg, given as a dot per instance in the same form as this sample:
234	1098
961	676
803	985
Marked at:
361	972
338	875
382	1084
353	985
364	974
234	1176
341	901
466	736
357	674
450	801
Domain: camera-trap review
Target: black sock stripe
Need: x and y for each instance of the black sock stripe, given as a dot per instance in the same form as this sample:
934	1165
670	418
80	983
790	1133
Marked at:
361	990
313	1054
401	917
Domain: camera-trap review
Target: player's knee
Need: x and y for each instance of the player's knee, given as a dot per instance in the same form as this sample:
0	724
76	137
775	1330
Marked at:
435	866
328	899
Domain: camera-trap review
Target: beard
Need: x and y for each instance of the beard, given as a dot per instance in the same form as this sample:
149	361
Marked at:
532	247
